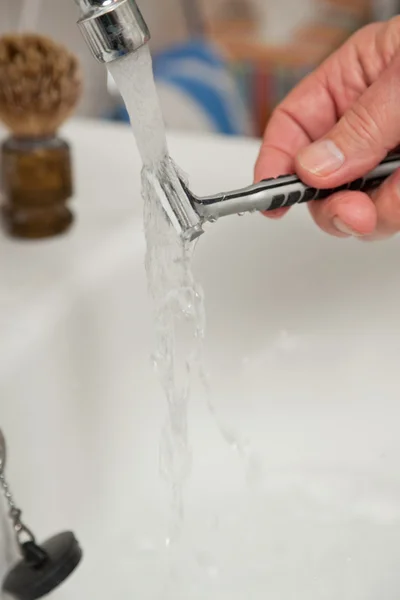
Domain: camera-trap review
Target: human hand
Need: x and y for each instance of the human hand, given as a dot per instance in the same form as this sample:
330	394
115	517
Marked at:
337	125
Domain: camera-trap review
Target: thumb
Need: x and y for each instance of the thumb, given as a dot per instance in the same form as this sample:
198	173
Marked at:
361	138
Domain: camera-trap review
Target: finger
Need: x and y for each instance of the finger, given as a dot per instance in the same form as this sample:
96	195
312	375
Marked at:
312	109
285	135
272	163
345	214
306	114
277	213
387	203
355	214
360	140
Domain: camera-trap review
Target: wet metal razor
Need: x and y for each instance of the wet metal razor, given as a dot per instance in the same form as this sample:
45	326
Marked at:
280	192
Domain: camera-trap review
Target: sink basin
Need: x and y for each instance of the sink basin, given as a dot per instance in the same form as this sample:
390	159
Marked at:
294	491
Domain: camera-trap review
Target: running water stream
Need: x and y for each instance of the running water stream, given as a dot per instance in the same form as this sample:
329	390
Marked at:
179	327
177	299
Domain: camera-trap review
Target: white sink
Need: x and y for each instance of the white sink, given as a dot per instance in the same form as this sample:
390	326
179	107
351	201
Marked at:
303	346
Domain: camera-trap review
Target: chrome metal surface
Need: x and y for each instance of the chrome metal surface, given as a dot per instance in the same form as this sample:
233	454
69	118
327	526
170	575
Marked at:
262	196
112	28
187	222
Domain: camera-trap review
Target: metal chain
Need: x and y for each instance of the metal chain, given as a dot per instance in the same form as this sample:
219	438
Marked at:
15	513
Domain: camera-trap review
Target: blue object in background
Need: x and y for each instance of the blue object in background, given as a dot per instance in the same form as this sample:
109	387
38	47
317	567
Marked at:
200	82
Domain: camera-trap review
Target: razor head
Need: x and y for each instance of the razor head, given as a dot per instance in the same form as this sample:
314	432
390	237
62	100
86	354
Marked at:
176	201
180	211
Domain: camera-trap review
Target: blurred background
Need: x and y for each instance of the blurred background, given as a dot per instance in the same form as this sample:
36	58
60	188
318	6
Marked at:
220	65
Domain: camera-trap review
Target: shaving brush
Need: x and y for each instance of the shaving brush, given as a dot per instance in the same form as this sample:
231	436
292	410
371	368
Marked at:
40	86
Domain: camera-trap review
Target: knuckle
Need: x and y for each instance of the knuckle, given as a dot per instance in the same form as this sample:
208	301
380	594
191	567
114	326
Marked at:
389	43
361	127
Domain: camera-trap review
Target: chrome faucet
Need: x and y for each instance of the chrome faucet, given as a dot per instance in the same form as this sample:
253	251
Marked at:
112	28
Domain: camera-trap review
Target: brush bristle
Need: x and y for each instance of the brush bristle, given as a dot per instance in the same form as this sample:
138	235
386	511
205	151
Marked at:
40	84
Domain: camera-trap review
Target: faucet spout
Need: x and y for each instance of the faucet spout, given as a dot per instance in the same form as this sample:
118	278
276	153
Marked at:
112	28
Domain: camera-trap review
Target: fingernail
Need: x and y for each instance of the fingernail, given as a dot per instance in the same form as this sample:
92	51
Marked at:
321	158
343	228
